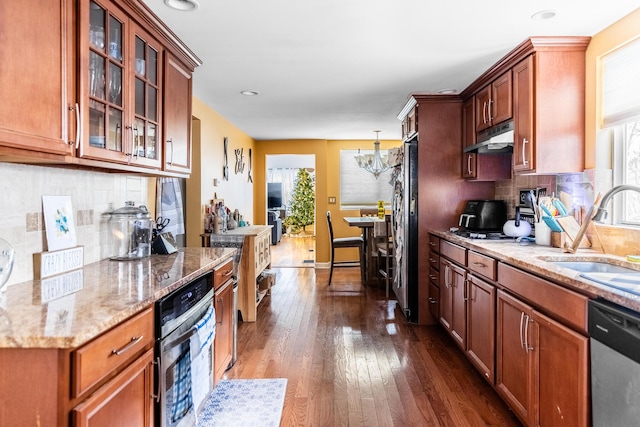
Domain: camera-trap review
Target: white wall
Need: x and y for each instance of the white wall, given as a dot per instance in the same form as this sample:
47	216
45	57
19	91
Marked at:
92	194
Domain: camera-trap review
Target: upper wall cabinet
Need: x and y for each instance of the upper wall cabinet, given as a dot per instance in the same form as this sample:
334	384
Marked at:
177	116
545	80
494	102
110	115
37	77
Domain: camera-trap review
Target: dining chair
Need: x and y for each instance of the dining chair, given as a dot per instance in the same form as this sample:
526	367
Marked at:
386	254
344	242
369	212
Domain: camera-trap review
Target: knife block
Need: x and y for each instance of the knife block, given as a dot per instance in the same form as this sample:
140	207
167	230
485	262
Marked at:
557	239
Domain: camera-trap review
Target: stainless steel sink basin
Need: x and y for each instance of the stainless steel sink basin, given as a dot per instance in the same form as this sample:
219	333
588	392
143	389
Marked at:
602	271
594	267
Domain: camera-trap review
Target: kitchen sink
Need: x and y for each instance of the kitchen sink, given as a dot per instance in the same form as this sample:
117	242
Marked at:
602	271
594	267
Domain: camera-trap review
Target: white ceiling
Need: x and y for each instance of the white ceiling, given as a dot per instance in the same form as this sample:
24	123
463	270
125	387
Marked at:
340	69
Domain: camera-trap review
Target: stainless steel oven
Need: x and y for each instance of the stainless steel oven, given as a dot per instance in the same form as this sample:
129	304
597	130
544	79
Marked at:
185	331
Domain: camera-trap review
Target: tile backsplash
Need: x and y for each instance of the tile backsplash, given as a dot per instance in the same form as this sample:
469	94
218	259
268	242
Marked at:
92	195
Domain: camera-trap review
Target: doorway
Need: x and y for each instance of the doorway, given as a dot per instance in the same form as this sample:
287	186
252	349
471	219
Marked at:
296	247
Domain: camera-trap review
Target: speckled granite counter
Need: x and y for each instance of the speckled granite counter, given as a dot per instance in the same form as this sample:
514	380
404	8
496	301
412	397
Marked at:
67	311
535	259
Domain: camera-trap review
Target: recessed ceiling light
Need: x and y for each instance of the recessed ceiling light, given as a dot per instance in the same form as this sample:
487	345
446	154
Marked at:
447	91
543	15
249	92
184	5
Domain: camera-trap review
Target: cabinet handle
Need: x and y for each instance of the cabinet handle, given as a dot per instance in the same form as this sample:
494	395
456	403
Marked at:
466	290
127	346
527	347
469	164
228	273
433	277
158	364
134	142
484	112
524	144
446	276
78	125
489	109
521	324
221	301
432	300
432	260
479	264
432	243
170	141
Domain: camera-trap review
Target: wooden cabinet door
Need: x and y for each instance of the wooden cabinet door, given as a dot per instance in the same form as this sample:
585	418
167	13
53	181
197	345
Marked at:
126	400
483	97
563	367
459	306
177	116
446	294
515	368
501	104
223	344
37	111
481	322
468	138
524	139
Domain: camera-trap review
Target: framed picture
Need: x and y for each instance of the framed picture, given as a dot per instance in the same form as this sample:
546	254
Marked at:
58	221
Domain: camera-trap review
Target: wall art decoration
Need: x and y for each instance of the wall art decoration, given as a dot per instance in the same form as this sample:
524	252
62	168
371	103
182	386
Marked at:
58	221
249	177
239	160
225	167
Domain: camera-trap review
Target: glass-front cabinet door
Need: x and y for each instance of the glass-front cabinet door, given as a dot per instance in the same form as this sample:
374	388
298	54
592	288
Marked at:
118	88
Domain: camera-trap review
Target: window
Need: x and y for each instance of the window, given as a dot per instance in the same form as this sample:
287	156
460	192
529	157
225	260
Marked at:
621	113
359	188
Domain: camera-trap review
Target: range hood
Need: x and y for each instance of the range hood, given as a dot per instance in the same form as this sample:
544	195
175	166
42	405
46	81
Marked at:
495	140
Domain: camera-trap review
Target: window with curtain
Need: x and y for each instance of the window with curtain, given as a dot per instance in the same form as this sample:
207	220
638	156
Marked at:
621	114
359	188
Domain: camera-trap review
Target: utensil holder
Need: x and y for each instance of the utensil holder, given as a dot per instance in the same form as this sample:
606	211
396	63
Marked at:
557	239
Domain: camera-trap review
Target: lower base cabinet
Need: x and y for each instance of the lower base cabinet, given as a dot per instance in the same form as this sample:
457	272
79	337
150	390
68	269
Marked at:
481	324
223	344
541	366
127	400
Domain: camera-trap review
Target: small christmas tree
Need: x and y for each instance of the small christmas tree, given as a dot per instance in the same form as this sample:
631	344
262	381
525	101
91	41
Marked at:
302	204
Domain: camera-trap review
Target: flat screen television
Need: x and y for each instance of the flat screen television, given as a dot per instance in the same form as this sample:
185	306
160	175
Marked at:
274	195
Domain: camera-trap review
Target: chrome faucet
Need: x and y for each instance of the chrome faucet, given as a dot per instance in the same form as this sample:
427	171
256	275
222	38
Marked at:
601	214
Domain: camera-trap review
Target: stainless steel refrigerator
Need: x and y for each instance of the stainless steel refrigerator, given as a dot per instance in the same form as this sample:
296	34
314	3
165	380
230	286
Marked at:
404	208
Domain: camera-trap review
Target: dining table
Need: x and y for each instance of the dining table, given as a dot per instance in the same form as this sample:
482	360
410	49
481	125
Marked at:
367	225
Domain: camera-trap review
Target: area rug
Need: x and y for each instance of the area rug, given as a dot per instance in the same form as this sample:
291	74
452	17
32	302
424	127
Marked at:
245	403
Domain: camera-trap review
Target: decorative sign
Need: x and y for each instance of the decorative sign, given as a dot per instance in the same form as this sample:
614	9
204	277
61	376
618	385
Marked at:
46	264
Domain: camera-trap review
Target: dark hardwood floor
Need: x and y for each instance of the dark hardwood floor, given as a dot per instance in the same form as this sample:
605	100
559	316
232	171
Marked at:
351	359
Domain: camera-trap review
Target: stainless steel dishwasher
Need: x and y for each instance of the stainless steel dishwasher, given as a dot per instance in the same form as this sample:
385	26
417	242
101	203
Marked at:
615	364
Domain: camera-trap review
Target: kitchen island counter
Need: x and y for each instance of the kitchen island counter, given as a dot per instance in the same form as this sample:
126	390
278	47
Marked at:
68	310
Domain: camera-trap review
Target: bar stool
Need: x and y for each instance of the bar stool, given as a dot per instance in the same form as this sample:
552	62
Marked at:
386	254
344	242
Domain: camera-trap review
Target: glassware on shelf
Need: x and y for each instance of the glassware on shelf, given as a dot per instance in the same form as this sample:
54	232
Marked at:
96	36
7	254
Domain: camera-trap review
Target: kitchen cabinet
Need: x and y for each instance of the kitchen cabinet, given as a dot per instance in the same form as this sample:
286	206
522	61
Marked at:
549	112
541	332
223	304
125	400
410	123
453	295
481	306
476	166
37	112
434	276
494	103
177	115
119	88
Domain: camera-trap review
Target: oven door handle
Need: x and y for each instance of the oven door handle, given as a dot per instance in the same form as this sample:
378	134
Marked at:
182	338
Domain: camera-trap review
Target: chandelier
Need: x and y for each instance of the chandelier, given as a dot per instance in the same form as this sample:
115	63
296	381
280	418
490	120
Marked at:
374	163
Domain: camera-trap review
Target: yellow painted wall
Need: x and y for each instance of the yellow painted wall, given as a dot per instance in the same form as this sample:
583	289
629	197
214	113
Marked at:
207	160
615	35
327	154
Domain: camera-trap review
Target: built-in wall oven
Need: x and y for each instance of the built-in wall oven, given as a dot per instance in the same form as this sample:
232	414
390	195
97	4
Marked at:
185	332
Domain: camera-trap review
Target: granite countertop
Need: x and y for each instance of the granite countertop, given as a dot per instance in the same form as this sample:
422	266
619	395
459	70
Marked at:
535	259
68	310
